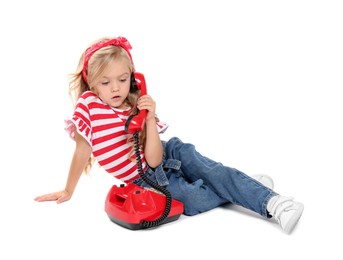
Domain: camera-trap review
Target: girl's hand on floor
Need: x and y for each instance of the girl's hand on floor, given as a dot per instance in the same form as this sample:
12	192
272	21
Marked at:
59	197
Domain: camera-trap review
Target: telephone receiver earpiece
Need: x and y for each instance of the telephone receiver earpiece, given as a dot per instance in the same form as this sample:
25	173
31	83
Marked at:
133	83
138	82
136	122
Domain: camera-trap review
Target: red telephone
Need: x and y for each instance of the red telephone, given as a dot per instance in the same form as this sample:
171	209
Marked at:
130	205
136	123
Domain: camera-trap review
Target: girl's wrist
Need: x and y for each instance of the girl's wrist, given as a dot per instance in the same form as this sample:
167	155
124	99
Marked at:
151	119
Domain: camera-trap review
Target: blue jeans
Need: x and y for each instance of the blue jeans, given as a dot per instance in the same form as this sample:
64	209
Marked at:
202	184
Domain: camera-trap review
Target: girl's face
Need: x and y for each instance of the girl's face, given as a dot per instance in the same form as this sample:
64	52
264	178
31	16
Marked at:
114	84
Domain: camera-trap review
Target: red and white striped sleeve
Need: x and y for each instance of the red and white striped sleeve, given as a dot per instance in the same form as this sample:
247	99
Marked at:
81	119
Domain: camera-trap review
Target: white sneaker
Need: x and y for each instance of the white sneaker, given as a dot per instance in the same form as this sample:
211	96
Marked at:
285	211
265	180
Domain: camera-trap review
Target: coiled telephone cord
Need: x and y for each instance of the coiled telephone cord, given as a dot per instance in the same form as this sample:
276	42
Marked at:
158	221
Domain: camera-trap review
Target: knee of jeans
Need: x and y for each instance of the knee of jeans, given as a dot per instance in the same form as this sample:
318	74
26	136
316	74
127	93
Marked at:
195	197
176	149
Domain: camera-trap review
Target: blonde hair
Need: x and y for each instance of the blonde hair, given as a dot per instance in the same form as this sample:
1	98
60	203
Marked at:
97	64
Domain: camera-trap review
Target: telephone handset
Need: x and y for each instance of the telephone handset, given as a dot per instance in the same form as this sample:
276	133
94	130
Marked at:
136	122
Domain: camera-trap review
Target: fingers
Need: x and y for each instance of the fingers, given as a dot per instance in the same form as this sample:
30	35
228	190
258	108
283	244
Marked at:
59	197
146	102
47	197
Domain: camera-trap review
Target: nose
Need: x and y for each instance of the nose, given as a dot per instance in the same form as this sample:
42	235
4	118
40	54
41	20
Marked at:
114	88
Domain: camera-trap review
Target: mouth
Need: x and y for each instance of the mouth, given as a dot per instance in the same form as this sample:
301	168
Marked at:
115	97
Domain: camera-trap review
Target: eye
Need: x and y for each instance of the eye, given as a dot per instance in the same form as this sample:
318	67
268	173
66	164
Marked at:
105	83
123	80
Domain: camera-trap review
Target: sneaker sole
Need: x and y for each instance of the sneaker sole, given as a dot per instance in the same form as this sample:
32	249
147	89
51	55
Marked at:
294	220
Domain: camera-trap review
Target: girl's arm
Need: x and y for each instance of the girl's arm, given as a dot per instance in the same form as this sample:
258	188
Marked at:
80	158
153	150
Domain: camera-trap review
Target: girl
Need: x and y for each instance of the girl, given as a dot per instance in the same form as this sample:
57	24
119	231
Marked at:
105	93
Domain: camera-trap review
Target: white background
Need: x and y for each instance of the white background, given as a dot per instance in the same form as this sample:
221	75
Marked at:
255	85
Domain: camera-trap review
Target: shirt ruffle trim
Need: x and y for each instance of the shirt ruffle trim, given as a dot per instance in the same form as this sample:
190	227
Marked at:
161	127
83	129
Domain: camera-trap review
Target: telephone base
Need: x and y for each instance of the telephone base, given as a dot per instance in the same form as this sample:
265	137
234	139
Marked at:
128	205
135	226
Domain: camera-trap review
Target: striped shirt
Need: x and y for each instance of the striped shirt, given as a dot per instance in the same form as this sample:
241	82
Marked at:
103	127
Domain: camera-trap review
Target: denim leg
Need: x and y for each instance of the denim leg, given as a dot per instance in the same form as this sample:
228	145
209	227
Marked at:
203	184
195	196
